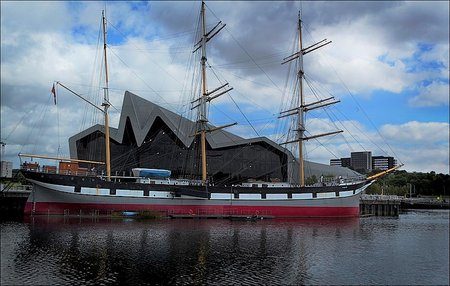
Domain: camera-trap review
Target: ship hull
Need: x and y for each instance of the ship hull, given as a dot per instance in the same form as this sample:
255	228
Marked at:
56	199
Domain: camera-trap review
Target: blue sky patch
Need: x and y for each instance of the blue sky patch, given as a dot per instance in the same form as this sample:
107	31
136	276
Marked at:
384	59
416	64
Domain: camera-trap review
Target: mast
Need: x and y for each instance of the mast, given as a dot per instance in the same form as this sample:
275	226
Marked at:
2	146
301	113
206	95
106	105
203	116
301	110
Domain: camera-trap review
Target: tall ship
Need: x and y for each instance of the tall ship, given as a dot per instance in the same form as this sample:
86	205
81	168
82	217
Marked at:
73	189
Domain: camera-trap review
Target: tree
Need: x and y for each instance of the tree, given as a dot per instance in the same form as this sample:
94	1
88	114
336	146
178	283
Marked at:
430	184
311	180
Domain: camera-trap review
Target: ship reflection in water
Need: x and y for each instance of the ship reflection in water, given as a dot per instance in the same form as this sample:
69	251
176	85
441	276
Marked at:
58	250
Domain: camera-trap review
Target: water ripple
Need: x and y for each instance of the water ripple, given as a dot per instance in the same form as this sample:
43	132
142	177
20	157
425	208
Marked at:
58	251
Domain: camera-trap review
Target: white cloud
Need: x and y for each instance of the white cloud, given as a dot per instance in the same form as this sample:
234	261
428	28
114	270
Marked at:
355	56
423	146
435	94
416	159
417	132
32	16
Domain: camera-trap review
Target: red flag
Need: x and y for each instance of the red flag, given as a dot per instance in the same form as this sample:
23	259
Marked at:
54	93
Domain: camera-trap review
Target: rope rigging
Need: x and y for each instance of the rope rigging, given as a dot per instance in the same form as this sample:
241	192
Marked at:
328	112
41	124
237	106
359	106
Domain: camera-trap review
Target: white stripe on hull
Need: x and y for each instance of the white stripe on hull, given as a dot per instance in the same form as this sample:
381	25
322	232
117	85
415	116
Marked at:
45	192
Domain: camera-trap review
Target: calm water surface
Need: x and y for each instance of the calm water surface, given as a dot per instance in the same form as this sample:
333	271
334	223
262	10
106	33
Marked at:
411	249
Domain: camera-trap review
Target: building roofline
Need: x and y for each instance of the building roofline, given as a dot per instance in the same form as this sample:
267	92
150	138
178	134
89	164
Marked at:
141	122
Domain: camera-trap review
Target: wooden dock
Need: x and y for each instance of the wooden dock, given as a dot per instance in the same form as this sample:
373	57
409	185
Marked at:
379	205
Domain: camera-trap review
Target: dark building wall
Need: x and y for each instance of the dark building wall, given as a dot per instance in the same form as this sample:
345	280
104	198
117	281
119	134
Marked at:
256	161
343	162
361	161
382	162
163	150
346	162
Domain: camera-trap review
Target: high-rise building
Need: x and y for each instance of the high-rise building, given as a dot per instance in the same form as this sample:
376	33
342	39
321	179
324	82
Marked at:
342	162
361	161
383	163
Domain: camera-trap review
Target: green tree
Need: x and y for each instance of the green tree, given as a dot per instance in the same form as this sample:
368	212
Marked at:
311	180
430	184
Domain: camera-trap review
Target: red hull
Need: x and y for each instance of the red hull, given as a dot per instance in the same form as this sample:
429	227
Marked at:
278	211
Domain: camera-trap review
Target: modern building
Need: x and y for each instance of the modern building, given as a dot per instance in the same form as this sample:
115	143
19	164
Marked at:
150	136
383	163
336	162
361	161
6	169
346	162
364	162
342	162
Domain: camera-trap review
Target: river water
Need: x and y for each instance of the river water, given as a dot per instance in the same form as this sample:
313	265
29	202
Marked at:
410	249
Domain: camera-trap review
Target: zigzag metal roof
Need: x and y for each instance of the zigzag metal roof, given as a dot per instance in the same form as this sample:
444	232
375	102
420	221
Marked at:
143	113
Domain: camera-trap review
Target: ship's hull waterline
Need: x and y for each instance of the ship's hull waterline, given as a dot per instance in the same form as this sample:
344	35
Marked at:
57	199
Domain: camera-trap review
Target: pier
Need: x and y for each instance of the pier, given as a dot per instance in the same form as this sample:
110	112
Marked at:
379	205
13	199
425	203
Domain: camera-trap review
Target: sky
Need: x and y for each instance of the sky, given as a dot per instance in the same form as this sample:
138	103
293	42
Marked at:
388	65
